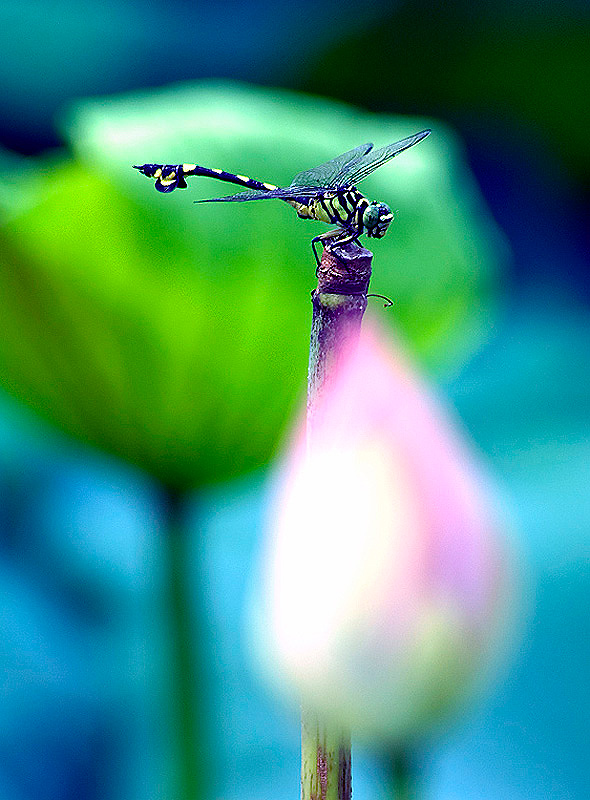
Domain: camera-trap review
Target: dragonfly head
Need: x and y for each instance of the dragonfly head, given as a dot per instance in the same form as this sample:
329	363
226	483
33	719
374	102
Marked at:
376	219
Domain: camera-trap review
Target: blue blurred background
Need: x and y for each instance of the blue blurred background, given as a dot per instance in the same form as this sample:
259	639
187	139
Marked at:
84	640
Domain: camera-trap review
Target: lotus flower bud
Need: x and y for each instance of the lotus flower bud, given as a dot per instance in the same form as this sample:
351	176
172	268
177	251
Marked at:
385	585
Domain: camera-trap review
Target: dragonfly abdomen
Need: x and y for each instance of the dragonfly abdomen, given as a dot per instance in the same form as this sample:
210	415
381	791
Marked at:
172	176
230	177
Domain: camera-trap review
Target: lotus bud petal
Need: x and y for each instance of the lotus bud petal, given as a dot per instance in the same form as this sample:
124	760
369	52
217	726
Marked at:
385	588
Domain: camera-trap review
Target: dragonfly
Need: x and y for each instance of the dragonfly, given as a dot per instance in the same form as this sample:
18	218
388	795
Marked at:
327	193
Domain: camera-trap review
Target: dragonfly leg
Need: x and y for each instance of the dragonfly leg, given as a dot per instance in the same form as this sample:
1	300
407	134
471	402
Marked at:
340	236
322	238
353	236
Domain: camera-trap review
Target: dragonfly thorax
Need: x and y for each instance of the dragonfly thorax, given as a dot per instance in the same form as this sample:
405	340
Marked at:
376	219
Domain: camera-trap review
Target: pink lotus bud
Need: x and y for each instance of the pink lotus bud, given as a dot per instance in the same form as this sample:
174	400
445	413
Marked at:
385	585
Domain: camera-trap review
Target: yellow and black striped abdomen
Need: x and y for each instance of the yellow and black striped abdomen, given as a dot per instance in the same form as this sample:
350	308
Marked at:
230	177
172	176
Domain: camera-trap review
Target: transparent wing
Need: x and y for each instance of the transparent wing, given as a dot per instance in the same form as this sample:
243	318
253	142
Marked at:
288	193
328	174
377	158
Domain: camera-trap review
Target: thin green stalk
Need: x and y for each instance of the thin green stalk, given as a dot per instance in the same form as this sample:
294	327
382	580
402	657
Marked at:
339	303
188	679
325	760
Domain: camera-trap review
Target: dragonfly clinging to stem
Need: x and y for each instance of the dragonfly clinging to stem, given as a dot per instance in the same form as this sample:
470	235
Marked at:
326	193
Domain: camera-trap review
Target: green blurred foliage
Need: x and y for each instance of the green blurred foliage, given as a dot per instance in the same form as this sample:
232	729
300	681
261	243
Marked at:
176	335
513	65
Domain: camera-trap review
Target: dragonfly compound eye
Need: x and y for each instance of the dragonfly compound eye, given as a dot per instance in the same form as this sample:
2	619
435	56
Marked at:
376	219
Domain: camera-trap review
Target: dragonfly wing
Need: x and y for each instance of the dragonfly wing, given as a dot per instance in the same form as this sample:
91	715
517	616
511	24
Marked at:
288	193
326	175
377	158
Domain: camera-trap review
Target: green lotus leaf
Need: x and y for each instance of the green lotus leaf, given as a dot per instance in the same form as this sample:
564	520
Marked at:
176	335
